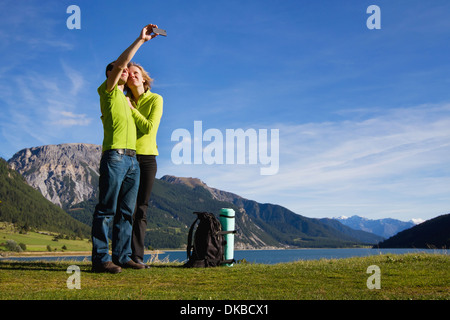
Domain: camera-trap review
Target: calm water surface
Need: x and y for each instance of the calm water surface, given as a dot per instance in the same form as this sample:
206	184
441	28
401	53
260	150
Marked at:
263	256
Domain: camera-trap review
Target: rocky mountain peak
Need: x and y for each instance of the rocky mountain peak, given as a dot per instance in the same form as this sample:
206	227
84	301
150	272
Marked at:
66	174
190	182
195	182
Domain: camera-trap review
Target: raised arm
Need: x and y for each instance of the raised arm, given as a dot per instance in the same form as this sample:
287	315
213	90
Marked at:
122	61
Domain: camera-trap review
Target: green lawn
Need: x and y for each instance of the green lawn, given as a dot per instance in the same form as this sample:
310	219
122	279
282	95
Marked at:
38	242
410	276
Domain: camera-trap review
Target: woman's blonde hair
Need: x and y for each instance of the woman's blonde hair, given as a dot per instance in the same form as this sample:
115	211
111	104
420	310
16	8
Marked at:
147	80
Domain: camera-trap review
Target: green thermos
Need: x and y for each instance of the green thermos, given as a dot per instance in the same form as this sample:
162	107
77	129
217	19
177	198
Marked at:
226	218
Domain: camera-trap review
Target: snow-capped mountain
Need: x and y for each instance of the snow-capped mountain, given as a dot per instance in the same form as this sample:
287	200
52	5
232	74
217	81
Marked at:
383	227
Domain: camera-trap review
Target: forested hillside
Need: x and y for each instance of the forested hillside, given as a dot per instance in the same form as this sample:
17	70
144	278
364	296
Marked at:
434	233
27	208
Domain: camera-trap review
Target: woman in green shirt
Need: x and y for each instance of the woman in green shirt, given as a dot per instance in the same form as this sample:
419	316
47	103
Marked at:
147	108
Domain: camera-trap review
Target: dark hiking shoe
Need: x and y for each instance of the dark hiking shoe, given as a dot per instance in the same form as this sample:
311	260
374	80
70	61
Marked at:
139	261
108	267
133	265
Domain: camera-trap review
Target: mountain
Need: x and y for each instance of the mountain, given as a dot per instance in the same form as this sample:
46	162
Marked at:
27	208
363	236
282	224
434	233
385	228
67	175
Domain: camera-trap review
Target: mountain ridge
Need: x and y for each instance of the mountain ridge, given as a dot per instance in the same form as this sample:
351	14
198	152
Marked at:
277	215
61	177
260	225
431	234
385	228
196	182
26	207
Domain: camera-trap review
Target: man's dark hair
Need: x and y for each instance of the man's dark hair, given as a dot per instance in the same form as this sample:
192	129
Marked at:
109	67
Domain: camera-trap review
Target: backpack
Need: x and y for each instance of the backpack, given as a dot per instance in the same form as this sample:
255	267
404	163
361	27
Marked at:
207	247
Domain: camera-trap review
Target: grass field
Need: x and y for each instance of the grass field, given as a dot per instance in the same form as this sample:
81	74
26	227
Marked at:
410	276
39	242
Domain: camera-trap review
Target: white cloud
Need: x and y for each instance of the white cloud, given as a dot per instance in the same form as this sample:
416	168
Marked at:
75	77
71	119
39	107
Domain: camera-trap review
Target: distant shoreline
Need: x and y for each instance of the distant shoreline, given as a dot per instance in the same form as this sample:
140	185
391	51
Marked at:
47	254
23	254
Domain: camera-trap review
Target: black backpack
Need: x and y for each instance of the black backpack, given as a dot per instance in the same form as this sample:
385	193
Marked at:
207	249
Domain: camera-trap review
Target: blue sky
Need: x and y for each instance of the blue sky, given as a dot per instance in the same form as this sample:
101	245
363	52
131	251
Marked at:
363	115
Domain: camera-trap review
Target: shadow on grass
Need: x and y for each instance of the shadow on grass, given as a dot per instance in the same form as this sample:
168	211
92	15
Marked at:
84	266
34	265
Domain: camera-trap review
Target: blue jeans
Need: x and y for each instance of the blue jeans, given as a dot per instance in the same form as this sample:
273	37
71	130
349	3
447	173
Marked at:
118	188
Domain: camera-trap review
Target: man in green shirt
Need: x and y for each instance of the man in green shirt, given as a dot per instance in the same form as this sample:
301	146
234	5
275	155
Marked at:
119	169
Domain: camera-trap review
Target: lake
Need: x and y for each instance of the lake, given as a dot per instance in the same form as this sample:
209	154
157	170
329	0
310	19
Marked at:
261	256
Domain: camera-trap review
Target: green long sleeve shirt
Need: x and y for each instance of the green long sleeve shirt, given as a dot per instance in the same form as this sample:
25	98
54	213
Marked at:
147	117
119	129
